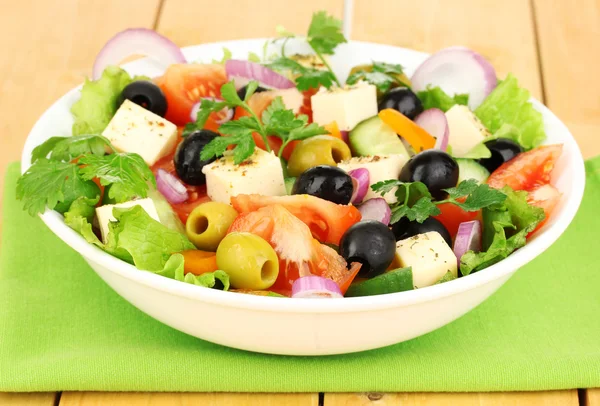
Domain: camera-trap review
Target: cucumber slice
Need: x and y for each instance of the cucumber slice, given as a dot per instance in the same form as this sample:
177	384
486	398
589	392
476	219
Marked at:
373	137
289	184
398	280
470	169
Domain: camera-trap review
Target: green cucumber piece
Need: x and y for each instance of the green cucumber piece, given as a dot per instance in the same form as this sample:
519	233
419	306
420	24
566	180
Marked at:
470	169
373	137
449	276
398	280
289	184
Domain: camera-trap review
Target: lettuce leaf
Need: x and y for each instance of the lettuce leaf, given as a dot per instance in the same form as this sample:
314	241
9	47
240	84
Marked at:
508	104
505	228
98	102
174	270
435	97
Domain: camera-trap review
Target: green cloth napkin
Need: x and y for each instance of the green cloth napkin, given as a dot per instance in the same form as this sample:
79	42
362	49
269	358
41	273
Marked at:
62	328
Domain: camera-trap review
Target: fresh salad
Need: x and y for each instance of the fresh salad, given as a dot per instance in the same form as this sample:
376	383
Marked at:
271	176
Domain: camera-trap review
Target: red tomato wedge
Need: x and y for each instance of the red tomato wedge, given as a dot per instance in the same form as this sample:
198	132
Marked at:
527	170
327	221
546	197
298	252
185	84
452	216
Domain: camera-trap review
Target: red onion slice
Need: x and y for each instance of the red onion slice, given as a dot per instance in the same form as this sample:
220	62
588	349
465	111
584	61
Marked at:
376	209
315	287
360	181
137	41
435	123
171	187
228	112
247	70
457	70
345	136
467	238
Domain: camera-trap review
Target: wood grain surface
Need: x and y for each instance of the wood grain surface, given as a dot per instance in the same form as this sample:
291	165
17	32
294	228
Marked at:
551	45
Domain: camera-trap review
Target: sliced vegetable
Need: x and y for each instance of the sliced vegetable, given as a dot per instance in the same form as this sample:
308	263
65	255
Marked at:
137	41
372	244
245	71
398	280
315	151
198	262
436	98
171	187
471	169
361	182
376	209
457	70
326	182
434	122
416	136
374	137
208	223
221	117
468	238
315	287
546	197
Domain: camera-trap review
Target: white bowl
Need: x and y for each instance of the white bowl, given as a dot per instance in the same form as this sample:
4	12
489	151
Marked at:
303	326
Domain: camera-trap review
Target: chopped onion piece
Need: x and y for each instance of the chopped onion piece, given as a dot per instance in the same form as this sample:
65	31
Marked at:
247	70
171	187
457	70
315	287
137	41
467	238
435	123
376	209
360	181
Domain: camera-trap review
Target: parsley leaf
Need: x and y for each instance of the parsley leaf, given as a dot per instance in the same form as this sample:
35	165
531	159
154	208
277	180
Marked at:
307	78
226	56
435	97
243	141
325	33
68	148
380	74
253	57
464	188
127	174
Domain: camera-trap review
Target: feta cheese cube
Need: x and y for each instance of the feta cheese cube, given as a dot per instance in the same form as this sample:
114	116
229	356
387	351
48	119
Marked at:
105	213
346	106
135	129
260	173
466	131
380	167
429	256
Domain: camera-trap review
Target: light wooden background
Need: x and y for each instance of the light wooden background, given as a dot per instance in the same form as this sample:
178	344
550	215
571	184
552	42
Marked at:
553	47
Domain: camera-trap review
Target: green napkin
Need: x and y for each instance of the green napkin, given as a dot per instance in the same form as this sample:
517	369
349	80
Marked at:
62	328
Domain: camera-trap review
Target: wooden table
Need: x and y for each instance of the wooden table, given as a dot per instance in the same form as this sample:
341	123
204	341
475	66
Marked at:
551	45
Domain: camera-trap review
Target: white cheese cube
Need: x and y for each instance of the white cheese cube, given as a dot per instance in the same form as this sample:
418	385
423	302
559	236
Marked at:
380	167
292	98
105	213
135	129
428	255
466	131
346	106
261	173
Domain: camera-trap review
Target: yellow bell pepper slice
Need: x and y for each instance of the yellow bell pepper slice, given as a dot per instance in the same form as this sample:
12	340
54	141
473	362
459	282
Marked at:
416	136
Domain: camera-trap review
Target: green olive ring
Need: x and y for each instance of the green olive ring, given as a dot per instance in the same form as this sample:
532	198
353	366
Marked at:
315	151
250	261
208	223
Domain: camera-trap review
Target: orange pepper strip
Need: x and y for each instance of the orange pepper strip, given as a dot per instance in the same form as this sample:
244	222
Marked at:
199	262
334	130
416	136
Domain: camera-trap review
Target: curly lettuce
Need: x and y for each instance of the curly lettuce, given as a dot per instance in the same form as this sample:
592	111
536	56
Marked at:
435	97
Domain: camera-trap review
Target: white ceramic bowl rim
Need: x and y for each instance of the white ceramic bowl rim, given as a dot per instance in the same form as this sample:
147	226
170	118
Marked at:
535	247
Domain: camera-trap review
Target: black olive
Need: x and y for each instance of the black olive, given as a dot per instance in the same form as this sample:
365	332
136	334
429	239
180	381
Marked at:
372	244
402	99
242	91
436	169
187	157
145	94
327	182
503	150
405	228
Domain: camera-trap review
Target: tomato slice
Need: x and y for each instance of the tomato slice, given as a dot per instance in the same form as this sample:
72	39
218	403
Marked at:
452	215
416	136
298	252
185	84
546	197
327	221
527	170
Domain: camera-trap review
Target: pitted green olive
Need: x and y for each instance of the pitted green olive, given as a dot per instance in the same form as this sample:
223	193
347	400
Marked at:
208	223
315	151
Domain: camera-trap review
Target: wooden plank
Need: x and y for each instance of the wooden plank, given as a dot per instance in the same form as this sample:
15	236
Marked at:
591	397
502	31
570	56
554	398
28	399
189	22
44	58
185	399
